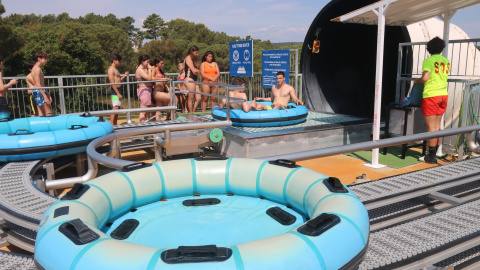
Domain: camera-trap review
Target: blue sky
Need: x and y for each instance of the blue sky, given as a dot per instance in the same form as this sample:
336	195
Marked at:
276	20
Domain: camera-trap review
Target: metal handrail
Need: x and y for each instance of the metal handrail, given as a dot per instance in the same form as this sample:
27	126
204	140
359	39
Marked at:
94	157
330	151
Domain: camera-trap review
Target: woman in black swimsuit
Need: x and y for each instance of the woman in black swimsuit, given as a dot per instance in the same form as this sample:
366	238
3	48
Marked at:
191	75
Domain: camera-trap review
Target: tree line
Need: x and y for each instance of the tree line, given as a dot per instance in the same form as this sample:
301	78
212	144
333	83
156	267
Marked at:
83	45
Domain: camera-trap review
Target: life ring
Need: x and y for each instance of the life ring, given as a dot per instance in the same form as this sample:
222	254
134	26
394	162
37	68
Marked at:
292	114
74	232
46	137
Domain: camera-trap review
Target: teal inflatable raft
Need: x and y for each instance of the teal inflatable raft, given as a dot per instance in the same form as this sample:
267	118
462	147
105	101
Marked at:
47	137
206	214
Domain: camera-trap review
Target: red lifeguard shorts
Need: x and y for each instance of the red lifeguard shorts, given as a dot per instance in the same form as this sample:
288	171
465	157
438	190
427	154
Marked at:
434	105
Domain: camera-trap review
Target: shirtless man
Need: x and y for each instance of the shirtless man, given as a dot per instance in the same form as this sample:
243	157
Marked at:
116	91
42	97
281	94
4	111
237	93
30	84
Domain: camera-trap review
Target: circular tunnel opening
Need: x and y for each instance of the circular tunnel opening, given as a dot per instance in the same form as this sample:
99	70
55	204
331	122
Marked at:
341	77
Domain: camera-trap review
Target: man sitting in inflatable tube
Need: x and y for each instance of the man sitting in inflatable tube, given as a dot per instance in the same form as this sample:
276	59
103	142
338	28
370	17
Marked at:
281	94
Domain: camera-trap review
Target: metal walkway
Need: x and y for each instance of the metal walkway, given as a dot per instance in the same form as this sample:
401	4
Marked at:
437	238
152	123
22	204
13	261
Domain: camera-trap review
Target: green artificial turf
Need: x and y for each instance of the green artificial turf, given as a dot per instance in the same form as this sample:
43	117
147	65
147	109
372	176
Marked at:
393	157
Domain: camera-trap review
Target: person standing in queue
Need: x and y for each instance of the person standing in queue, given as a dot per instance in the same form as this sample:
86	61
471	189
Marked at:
116	91
144	90
191	75
435	71
181	97
210	73
4	111
42	96
160	91
31	84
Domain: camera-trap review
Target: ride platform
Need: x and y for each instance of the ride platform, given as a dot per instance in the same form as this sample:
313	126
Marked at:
320	130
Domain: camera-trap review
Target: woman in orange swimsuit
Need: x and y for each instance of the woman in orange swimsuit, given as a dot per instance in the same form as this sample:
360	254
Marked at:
160	92
210	73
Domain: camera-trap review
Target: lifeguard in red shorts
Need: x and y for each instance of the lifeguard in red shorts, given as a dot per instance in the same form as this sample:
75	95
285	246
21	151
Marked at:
435	71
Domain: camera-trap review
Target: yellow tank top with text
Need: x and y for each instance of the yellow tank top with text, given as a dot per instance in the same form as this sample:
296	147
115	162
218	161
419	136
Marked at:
439	67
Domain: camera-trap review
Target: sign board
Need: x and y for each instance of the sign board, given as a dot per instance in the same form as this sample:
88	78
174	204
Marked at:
241	58
274	61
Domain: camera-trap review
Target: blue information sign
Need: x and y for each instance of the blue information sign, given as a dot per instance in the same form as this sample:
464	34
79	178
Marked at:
241	58
274	61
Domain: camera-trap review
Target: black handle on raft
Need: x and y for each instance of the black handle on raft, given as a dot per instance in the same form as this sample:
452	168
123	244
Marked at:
281	216
86	114
101	119
26	132
74	127
211	157
319	225
284	163
78	232
196	254
334	185
76	192
135	166
201	202
125	229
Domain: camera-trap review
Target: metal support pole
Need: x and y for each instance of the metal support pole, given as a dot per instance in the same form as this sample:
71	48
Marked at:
158	147
50	169
399	71
466	94
378	82
446	37
80	161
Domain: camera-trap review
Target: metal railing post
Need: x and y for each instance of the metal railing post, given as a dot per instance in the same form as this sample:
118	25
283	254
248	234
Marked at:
173	100
129	115
250	93
61	96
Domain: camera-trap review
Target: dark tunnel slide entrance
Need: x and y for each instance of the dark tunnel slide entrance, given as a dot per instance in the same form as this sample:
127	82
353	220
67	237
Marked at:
341	77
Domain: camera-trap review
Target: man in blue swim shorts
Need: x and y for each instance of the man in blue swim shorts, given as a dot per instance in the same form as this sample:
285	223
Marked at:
42	97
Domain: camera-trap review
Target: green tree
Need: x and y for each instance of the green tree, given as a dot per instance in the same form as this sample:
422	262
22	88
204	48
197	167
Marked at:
10	44
153	25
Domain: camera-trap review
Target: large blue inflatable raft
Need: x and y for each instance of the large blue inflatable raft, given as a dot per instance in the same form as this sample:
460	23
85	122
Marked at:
206	214
46	137
291	115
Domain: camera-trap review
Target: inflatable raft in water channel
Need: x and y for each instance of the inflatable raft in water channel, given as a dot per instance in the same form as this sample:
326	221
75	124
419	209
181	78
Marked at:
47	137
292	114
206	214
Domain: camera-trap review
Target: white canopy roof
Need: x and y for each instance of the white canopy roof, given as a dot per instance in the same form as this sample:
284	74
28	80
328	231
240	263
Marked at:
398	12
404	12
